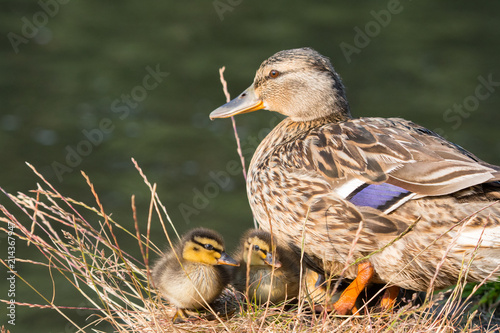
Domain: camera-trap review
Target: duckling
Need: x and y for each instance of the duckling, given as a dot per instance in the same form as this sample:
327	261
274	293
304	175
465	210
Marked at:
273	268
393	197
192	273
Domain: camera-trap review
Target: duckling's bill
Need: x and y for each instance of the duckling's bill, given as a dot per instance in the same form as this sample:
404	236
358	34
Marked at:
272	261
247	101
225	259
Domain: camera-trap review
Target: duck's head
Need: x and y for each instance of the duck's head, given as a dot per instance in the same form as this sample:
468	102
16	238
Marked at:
206	247
299	83
260	249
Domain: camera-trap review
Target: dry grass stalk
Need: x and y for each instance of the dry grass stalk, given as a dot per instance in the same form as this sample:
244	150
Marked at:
236	136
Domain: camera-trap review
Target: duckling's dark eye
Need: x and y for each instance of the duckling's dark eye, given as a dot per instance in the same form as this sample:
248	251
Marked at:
256	248
274	73
208	247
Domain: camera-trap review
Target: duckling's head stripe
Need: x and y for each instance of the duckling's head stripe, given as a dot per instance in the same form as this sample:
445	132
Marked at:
202	241
204	236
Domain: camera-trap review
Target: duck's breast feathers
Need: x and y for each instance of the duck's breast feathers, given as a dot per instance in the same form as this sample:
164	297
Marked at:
358	153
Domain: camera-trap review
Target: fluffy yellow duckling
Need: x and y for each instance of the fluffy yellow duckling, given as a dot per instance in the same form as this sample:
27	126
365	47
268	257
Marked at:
274	269
196	274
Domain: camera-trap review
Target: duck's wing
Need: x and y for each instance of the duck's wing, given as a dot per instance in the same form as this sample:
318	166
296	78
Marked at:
387	161
372	167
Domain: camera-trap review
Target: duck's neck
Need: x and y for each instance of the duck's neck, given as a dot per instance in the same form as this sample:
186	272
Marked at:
291	128
336	117
335	109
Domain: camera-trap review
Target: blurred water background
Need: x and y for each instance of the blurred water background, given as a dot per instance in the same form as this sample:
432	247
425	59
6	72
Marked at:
86	85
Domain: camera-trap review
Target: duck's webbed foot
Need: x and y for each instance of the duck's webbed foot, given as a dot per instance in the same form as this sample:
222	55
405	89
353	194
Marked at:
346	302
181	316
389	298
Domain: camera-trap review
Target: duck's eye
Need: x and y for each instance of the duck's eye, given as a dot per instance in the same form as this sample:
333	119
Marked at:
208	247
256	248
274	73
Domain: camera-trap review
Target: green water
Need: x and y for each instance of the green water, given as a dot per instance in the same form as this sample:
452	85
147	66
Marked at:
64	104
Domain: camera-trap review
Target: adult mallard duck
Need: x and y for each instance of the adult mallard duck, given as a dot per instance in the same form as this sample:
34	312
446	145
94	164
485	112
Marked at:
410	208
191	276
273	271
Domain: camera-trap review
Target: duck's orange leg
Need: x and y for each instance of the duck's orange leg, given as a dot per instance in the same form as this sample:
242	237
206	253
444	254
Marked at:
389	298
348	298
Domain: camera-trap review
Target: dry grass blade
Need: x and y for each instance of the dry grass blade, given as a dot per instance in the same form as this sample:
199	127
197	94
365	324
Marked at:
236	136
238	144
88	257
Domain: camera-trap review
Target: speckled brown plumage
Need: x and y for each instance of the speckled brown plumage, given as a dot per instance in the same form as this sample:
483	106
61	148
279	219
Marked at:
324	171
